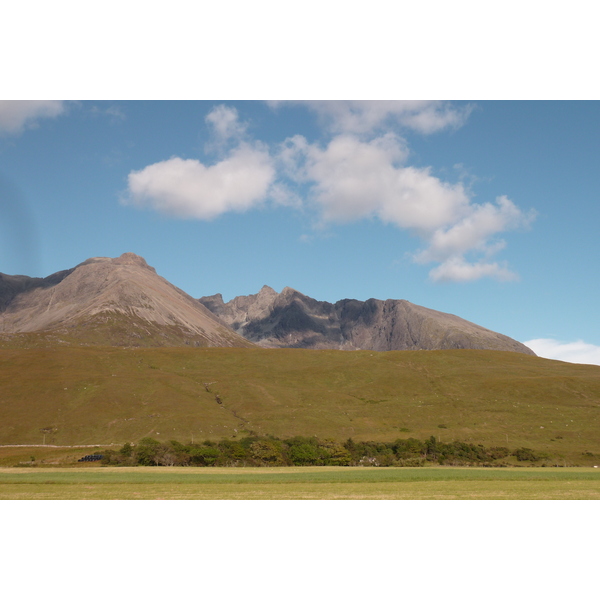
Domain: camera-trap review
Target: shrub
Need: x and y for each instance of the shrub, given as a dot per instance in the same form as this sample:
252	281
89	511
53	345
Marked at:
305	454
498	452
126	450
267	451
523	454
408	448
146	450
203	455
232	452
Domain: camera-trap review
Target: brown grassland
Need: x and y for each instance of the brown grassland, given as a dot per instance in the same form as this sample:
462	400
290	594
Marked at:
66	396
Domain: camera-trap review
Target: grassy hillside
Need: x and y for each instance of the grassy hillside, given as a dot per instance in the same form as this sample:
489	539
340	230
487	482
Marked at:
112	328
98	395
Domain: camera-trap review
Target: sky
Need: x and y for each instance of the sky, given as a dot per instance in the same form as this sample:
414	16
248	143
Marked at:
484	209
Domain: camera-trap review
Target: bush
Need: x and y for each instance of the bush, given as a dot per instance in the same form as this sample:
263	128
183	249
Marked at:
305	454
232	453
126	450
203	455
408	448
146	451
267	452
523	454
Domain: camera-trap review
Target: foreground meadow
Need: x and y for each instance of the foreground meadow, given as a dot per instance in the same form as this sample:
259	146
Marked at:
299	483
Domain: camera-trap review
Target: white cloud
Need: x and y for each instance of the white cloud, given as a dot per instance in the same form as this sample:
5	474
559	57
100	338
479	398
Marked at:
364	116
473	231
458	269
244	178
190	189
16	115
351	179
574	352
354	176
225	124
354	179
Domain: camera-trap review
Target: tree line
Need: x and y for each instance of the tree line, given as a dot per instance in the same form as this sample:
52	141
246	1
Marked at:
258	451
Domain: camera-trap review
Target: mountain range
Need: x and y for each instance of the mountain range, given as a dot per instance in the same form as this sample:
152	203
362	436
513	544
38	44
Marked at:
124	302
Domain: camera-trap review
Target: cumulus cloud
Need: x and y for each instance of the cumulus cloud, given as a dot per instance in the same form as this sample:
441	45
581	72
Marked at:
474	233
365	116
360	173
574	352
244	178
353	179
474	229
187	188
16	115
225	124
456	268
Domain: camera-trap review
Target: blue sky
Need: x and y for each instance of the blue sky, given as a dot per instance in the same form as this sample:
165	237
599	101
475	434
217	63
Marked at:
484	209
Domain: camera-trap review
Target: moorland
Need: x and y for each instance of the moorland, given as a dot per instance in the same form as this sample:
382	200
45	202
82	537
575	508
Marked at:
108	397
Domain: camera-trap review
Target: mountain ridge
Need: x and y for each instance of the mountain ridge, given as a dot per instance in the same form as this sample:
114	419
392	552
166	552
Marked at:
292	319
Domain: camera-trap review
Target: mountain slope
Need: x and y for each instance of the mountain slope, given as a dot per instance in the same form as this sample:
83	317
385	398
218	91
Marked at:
291	319
114	301
93	395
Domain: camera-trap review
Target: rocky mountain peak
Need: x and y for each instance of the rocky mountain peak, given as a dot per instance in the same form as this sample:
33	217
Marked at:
126	259
288	292
129	258
266	293
265	289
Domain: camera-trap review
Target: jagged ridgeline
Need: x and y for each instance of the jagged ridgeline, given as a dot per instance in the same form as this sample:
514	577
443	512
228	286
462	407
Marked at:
292	320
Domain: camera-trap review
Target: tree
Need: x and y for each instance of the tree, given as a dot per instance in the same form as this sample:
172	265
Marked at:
304	454
267	451
204	455
146	451
126	450
336	453
431	448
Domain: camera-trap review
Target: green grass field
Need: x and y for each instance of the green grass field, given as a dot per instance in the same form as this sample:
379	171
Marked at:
300	483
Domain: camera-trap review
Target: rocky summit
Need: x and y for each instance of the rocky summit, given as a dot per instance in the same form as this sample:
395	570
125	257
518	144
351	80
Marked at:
291	319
